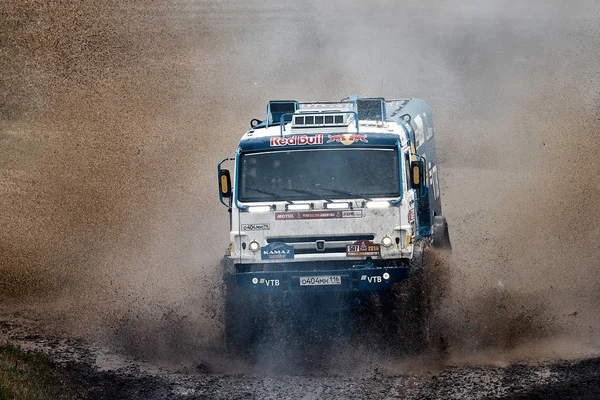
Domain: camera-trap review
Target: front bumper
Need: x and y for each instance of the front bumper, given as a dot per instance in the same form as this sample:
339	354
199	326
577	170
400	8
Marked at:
358	279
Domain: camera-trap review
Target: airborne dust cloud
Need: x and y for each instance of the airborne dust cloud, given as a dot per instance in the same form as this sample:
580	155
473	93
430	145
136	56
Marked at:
113	116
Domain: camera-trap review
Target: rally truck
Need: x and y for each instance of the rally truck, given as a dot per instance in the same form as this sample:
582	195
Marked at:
330	200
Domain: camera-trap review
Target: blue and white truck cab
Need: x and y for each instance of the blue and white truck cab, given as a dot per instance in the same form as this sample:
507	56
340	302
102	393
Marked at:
332	196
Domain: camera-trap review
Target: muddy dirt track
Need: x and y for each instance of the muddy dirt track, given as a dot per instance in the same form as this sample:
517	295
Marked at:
114	114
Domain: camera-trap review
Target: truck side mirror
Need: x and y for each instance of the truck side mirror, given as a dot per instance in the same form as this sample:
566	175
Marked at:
225	183
417	175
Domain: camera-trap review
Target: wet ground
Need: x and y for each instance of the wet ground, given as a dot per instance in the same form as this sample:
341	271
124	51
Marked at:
93	371
113	116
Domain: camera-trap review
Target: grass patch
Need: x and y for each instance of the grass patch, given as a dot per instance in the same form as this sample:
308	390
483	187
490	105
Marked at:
27	375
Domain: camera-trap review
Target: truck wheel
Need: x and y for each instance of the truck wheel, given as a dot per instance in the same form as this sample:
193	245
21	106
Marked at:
428	285
417	312
242	327
418	304
440	233
405	308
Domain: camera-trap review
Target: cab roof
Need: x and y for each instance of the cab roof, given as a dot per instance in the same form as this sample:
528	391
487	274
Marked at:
360	122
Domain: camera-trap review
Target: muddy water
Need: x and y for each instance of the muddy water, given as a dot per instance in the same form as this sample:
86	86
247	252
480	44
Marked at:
115	115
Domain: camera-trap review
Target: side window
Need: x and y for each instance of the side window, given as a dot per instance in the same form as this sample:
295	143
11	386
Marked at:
407	169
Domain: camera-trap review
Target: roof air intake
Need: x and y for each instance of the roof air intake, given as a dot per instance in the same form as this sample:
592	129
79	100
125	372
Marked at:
372	109
277	108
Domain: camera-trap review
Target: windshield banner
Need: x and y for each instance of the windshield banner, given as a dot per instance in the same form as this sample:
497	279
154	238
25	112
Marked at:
329	214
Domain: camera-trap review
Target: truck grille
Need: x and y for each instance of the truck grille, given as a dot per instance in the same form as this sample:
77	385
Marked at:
313	250
313	239
308	244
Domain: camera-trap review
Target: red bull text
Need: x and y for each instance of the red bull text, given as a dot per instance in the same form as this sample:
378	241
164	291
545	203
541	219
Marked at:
297	140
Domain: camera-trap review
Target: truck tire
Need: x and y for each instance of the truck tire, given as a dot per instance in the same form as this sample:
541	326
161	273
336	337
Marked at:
418	303
406	308
249	318
242	325
440	234
240	328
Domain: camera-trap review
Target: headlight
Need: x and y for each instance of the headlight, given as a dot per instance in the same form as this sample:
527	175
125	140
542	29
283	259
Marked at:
297	207
337	206
254	246
378	204
259	209
386	241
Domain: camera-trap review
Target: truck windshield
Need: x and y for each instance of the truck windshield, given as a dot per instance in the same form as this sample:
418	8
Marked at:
319	174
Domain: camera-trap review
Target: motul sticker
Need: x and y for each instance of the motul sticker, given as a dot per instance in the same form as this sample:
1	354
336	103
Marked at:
296	140
363	248
293	215
347	138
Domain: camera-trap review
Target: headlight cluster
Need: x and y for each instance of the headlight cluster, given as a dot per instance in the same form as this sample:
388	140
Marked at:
386	241
254	246
377	204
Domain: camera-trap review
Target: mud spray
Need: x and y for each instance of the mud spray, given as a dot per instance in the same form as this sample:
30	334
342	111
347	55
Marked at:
113	117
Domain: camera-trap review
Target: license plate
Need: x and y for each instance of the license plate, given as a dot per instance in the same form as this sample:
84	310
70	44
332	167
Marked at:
320	280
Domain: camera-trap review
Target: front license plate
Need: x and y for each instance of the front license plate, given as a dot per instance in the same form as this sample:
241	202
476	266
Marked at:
320	280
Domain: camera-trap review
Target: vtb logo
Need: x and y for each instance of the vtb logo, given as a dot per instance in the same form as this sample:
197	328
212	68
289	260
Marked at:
347	138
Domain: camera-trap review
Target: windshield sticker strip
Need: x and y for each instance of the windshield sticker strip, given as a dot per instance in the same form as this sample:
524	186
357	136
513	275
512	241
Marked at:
295	215
296	140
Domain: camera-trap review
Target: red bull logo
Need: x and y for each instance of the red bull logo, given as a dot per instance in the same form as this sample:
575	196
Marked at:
297	140
347	138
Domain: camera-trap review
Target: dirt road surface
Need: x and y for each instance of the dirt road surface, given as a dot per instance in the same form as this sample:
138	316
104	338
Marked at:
114	114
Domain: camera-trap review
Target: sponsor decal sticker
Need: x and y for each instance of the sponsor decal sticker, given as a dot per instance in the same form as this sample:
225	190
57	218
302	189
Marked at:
277	251
266	282
411	215
256	227
329	214
420	131
371	279
401	105
363	248
347	138
296	140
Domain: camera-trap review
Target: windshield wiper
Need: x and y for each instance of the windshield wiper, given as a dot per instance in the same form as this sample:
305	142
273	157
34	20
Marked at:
275	195
308	192
348	193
